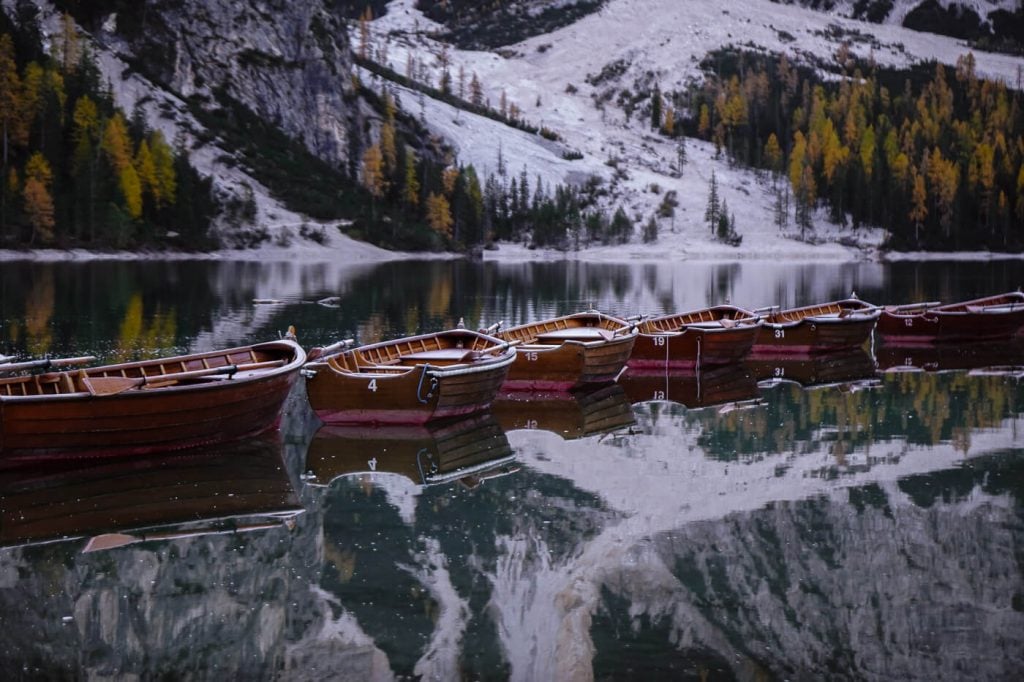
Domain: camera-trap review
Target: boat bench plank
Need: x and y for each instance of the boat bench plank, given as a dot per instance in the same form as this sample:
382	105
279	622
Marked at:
441	354
576	334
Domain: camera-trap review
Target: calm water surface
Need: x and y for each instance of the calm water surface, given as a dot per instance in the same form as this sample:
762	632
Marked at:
776	520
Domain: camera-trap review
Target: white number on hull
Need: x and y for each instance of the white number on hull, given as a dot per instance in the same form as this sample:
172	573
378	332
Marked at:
373	385
780	333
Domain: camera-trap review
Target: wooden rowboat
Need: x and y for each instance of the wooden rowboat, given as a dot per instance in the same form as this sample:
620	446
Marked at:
710	336
569	352
147	406
821	328
410	380
992	317
467	450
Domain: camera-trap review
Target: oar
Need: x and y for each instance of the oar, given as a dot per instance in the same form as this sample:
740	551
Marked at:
910	306
45	363
324	351
115	540
104	386
493	328
493	349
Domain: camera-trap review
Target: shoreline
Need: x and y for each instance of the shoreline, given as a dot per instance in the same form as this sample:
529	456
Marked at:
513	253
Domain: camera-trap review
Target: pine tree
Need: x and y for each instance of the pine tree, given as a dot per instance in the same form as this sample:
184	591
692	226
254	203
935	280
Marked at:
656	108
476	91
373	175
651	231
713	209
669	125
10	93
364	32
411	186
38	202
439	215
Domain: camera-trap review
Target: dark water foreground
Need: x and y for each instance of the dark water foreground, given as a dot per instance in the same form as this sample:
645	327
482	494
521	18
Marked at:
807	519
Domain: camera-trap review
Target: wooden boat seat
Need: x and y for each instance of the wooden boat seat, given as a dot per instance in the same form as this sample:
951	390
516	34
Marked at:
577	334
704	325
441	355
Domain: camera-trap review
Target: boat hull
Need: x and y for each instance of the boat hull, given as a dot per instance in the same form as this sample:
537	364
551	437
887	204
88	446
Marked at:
945	327
570	366
419	396
693	347
569	353
141	422
812	336
718	335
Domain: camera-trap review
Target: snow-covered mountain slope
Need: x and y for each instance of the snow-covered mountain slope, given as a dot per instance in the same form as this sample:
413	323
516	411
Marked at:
664	40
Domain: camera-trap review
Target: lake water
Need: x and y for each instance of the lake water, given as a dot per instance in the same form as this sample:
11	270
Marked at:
800	519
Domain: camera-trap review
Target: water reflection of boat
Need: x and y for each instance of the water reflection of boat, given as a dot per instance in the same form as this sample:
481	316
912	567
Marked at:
138	408
991	317
824	327
1007	354
238	487
815	370
717	335
569	352
410	380
570	415
469	450
711	386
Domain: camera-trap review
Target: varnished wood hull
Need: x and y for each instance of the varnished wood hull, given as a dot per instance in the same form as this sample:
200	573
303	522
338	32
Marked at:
413	380
141	422
570	414
414	398
84	498
993	317
569	352
816	329
570	366
693	389
466	449
711	336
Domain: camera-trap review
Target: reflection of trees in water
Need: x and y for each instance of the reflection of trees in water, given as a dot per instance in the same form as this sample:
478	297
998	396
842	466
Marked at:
108	306
923	408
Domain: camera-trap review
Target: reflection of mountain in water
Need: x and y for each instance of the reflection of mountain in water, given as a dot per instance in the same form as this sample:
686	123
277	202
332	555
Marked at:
855	542
915	580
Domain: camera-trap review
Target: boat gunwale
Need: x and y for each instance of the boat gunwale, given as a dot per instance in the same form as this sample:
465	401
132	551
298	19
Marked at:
245	376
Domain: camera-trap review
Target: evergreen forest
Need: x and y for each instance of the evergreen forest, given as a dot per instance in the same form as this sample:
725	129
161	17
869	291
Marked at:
78	172
934	155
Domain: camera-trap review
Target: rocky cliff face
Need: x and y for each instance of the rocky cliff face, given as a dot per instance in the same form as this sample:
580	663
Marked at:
288	62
